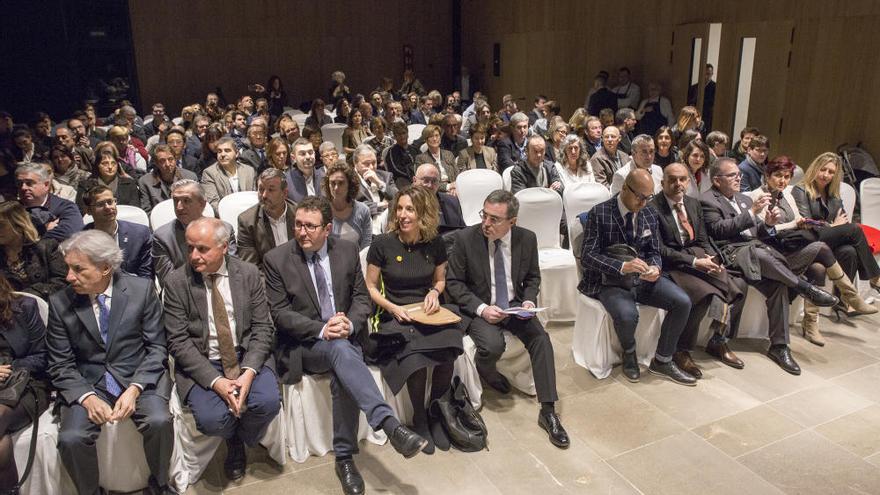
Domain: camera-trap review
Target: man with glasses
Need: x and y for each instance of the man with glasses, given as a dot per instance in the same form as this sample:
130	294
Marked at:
642	158
320	306
451	140
732	221
626	220
451	217
494	267
134	240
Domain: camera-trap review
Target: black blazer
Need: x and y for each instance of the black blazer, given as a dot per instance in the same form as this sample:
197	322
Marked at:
810	207
127	191
136	242
136	350
186	321
673	251
468	280
724	224
44	269
296	183
451	217
294	304
255	237
26	336
508	154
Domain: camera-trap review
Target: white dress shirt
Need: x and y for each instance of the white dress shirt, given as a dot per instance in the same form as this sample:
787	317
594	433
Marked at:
310	184
279	227
505	253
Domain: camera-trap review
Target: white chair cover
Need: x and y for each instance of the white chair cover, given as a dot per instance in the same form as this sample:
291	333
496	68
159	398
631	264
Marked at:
595	345
506	180
848	195
473	186
797	176
308	416
380	222
415	132
47	476
333	133
870	199
177	120
300	119
132	214
514	364
577	199
151	143
233	205
539	211
163	213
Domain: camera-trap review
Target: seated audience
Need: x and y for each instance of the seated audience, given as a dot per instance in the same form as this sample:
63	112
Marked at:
27	262
155	186
592	134
380	140
220	335
555	135
609	158
752	167
317	118
54	218
627	221
443	159
485	249
512	150
451	141
65	168
377	187
327	155
351	218
254	153
134	240
642	159
450	217
399	159
132	160
535	170
98	383
227	176
278	154
666	152
355	134
718	144
303	179
477	155
176	138
695	156
625	121
107	173
740	148
269	223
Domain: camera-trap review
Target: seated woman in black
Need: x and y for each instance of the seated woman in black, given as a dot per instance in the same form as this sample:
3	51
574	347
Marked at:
408	265
818	198
28	263
22	347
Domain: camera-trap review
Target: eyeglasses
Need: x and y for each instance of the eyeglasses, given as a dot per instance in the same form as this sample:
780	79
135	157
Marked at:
105	203
491	218
310	228
428	180
643	198
732	175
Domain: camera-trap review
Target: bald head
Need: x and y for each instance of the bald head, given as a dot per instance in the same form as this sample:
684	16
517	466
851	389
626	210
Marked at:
676	179
638	189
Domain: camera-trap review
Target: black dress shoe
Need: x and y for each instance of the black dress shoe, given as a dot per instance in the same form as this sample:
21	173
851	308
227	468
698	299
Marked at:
671	371
236	459
725	355
549	421
631	367
153	488
407	442
495	380
350	477
781	355
818	296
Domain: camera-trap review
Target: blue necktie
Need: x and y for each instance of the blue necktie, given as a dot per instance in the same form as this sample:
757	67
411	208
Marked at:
323	294
112	385
502	299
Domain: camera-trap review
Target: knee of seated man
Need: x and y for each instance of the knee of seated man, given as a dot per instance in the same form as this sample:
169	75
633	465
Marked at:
215	421
343	349
157	420
679	300
264	404
75	437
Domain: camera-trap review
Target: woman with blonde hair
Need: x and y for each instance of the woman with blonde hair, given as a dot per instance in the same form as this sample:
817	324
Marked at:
688	119
29	263
407	266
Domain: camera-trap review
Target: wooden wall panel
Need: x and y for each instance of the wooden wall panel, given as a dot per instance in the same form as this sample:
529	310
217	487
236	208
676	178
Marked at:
185	49
828	94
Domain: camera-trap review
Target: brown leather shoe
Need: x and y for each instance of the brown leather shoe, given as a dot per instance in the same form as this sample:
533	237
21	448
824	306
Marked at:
685	362
723	353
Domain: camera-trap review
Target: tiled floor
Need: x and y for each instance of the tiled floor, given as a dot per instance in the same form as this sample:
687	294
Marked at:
754	431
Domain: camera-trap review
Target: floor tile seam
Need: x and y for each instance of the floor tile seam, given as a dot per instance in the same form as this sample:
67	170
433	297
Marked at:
621	475
769	444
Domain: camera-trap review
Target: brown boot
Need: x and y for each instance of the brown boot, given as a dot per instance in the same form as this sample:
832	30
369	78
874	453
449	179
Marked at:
684	361
810	324
848	293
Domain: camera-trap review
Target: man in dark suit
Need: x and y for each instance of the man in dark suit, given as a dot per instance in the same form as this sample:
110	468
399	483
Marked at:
450	140
134	239
107	359
220	334
377	186
535	171
176	141
268	224
169	242
692	263
303	179
451	217
732	221
254	152
512	150
155	186
626	219
54	217
422	114
320	304
602	97
493	267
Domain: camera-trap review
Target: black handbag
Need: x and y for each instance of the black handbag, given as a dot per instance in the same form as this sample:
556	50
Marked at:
460	421
623	253
13	387
790	241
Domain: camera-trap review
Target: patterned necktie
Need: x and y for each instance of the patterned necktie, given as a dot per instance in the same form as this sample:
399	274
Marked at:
110	383
228	358
683	220
323	294
502	298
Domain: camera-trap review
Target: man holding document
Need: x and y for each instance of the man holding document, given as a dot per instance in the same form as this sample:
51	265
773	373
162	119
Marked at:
493	268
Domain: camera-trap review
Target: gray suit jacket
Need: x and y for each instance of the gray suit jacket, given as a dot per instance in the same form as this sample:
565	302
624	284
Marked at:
255	236
217	186
186	321
604	165
153	191
169	248
135	351
467	161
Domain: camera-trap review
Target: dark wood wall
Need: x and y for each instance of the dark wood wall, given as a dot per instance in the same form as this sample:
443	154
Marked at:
186	49
824	96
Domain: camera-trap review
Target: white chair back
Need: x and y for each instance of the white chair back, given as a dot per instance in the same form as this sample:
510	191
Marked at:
415	131
300	118
364	252
797	176
848	195
577	199
177	120
473	186
333	133
539	211
232	205
163	213
505	178
42	305
870	198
